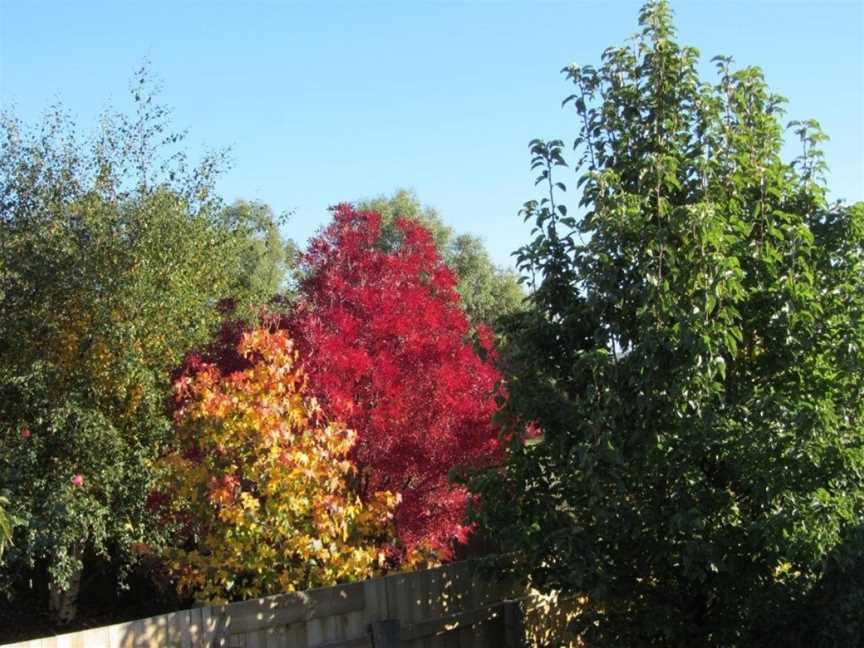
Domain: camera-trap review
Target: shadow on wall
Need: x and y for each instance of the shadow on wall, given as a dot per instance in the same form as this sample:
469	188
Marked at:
447	607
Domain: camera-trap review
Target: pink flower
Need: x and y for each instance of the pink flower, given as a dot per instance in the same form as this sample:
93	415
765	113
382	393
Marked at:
532	430
25	433
78	480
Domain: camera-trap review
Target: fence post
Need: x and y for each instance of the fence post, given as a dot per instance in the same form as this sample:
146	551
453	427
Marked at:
385	633
514	624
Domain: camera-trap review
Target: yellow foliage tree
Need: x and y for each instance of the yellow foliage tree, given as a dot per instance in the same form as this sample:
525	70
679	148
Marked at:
261	483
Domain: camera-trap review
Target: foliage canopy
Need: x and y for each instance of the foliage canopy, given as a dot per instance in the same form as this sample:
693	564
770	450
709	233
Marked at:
486	293
106	280
260	482
389	352
694	359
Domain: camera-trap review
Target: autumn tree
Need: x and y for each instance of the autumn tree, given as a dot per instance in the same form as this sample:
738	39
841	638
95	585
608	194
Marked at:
260	482
486	292
694	359
388	352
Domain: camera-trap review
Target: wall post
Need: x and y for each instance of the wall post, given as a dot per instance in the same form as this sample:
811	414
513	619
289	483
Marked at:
385	633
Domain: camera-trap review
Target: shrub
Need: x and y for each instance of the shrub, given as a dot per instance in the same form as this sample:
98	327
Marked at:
260	484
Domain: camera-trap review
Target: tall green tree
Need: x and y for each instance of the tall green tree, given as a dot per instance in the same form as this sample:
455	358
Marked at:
487	292
114	259
694	360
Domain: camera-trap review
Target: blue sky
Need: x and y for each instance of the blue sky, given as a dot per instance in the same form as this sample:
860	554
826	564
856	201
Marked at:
323	102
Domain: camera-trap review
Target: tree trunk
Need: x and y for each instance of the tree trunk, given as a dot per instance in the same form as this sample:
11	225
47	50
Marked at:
63	602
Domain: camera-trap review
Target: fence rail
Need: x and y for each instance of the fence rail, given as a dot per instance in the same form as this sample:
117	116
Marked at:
447	607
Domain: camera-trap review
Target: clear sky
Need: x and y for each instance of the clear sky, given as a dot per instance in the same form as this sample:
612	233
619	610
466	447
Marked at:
323	102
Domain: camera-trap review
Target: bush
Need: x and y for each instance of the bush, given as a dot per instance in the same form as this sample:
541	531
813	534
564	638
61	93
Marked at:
259	483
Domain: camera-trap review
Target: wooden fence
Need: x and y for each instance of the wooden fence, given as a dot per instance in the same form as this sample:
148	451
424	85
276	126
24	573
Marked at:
447	607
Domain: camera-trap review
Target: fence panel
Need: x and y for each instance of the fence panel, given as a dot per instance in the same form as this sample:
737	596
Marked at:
446	607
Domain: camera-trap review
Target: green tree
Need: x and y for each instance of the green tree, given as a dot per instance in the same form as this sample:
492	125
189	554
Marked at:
694	359
487	292
114	257
269	261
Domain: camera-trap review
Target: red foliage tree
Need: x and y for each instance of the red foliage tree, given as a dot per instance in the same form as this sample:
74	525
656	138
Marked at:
389	352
